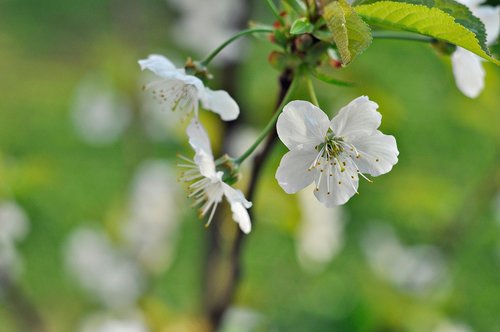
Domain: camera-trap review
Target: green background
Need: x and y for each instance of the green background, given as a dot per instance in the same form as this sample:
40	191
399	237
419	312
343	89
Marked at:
442	192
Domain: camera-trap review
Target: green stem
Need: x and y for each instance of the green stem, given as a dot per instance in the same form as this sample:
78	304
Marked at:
269	126
401	36
275	11
242	33
312	93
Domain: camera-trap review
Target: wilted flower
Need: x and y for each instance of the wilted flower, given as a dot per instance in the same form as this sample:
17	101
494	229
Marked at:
467	68
332	153
209	186
180	90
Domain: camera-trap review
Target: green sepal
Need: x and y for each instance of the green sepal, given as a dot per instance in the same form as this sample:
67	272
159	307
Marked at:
300	26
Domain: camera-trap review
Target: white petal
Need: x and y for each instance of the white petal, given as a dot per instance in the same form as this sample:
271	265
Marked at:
490	16
471	3
164	68
341	187
292	173
378	153
158	64
302	123
199	141
468	71
239	206
359	117
222	103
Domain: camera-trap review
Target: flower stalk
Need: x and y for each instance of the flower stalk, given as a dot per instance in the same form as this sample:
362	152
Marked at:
269	126
211	56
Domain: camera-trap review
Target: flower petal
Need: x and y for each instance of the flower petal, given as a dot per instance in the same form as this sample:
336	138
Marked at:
337	189
378	153
292	173
490	16
468	71
239	206
359	117
302	123
222	103
199	141
471	3
158	64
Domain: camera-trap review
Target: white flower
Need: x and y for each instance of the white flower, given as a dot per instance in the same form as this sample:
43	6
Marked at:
209	187
417	269
332	153
100	114
151	229
130	321
179	90
467	68
103	270
14	226
202	25
320	234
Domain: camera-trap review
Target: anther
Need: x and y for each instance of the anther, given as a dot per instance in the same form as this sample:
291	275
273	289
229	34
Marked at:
340	182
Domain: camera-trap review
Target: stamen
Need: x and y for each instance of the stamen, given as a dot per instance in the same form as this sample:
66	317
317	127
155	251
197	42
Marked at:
212	213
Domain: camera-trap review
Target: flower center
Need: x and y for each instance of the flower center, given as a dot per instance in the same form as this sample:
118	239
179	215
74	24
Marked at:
174	95
334	163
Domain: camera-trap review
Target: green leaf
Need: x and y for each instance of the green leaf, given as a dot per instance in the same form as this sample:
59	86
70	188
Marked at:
330	80
458	11
300	26
350	33
421	19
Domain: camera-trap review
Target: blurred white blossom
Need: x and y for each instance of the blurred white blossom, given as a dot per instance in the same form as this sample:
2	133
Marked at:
205	24
102	270
450	326
14	226
416	269
14	223
320	234
130	322
152	226
99	113
242	320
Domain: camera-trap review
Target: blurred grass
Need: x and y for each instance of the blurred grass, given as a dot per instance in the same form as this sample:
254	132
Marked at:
440	192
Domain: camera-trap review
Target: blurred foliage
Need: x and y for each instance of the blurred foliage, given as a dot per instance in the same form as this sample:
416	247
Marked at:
442	191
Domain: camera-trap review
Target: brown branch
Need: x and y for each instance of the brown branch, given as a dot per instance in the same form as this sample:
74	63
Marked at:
224	273
24	313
